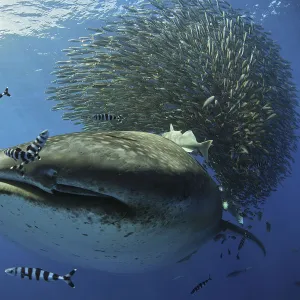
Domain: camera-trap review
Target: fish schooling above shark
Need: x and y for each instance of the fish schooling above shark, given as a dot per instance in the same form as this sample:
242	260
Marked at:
120	201
188	141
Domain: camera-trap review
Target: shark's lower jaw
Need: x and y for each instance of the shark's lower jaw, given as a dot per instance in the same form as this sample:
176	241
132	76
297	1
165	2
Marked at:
96	231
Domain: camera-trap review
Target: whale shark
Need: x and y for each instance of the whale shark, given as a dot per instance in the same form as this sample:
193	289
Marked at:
121	202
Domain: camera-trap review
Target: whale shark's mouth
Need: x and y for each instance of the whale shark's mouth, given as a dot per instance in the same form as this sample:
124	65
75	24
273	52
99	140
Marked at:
69	198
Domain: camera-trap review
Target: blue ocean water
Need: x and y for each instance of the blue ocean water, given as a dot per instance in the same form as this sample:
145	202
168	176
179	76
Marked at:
32	35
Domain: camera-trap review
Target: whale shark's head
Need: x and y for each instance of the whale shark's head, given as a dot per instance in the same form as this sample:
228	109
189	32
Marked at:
115	201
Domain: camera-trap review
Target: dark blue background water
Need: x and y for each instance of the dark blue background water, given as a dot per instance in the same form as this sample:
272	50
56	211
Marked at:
26	60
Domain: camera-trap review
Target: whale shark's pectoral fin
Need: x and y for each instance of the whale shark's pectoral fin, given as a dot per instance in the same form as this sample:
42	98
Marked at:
226	225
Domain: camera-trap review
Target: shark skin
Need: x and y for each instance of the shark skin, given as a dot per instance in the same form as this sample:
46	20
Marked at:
122	202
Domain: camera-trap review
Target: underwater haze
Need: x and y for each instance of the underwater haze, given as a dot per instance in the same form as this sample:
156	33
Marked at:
32	35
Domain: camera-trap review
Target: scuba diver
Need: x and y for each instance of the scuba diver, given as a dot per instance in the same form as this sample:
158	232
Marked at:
5	93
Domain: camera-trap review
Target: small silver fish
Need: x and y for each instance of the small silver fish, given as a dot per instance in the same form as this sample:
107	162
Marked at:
177	277
238	272
268	226
208	101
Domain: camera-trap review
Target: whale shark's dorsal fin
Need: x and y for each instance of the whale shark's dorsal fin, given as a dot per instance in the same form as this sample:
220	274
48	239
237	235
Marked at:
171	128
226	225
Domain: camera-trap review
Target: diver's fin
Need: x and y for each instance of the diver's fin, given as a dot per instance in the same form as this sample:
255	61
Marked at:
232	227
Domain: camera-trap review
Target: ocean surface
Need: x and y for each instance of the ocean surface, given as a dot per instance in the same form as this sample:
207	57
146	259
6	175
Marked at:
32	35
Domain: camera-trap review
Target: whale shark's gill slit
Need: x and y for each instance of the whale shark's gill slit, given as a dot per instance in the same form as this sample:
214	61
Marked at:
67	189
101	203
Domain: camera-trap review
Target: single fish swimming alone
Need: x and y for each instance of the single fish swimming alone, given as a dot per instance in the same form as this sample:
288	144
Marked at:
6	93
38	273
238	272
177	277
268	226
200	285
107	117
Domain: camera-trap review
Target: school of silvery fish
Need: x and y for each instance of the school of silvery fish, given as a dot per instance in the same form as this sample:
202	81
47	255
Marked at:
131	201
200	65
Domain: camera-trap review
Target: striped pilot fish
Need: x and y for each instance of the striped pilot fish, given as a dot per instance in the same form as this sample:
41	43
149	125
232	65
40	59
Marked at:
32	151
107	117
38	144
6	93
200	285
37	273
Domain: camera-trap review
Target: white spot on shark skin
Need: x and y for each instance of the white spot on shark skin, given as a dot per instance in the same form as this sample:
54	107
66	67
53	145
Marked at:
51	173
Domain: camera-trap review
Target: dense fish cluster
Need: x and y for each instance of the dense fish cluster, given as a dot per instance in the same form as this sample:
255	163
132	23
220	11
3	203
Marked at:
200	65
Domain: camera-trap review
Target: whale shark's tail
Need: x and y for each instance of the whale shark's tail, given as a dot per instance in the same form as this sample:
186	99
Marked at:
226	225
189	143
